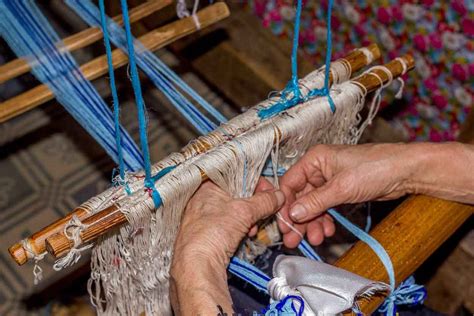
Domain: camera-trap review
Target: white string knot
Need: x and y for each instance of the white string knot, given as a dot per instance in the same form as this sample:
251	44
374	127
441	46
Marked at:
30	254
72	230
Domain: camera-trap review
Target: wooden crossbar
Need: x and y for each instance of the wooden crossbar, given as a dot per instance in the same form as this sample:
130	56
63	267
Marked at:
97	67
82	39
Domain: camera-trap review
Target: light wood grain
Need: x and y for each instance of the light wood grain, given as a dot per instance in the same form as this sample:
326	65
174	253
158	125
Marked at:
58	244
82	39
153	40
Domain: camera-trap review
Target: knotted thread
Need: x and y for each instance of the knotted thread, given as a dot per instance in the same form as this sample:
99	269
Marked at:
30	254
407	293
72	230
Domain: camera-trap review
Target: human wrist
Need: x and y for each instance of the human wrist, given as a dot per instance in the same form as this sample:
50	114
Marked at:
199	287
431	168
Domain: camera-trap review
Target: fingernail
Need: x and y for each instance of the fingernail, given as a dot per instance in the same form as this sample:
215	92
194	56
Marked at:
280	198
298	212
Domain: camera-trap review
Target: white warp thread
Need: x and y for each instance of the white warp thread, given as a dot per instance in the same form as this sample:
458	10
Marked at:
130	266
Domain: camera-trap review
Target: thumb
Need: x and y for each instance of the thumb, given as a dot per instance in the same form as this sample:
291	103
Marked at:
264	204
314	203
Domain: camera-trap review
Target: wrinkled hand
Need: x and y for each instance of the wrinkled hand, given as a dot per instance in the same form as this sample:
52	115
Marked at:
211	230
331	175
214	223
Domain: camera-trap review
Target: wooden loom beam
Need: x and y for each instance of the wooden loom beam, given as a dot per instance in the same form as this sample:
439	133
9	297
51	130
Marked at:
82	39
409	234
111	217
97	67
36	242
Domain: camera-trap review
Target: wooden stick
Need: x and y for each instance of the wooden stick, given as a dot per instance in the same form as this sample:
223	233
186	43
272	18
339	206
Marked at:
82	39
409	234
111	217
36	242
153	40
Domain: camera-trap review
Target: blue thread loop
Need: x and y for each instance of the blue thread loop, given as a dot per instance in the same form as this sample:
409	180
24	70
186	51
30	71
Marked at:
285	307
291	95
113	89
407	293
137	90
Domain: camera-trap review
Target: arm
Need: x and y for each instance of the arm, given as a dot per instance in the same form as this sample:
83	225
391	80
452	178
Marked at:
211	230
328	176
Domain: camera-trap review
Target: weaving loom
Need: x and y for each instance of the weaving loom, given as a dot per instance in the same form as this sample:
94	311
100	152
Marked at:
271	135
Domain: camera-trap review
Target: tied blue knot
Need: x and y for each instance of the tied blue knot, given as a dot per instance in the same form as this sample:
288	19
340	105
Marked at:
150	185
292	87
407	293
285	307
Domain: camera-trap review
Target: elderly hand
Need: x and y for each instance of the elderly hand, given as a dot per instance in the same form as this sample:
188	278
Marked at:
211	230
331	175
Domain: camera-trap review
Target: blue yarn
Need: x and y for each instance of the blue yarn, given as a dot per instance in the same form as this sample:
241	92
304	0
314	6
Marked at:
285	307
161	75
137	90
249	273
113	89
29	35
308	251
291	95
370	241
407	293
293	84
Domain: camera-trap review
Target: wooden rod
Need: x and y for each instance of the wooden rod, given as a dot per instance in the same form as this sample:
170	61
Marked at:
153	40
82	39
409	234
36	242
111	217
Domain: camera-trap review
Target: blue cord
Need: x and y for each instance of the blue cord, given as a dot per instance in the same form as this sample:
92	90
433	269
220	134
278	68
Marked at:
407	293
137	90
113	89
291	95
370	241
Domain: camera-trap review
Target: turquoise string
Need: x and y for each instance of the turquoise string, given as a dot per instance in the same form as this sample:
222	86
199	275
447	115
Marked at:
115	99
291	95
158	72
293	84
137	90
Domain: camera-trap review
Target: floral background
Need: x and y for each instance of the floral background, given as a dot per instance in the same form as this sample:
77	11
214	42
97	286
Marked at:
440	35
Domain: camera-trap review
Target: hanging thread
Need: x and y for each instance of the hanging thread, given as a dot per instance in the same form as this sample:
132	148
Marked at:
30	36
